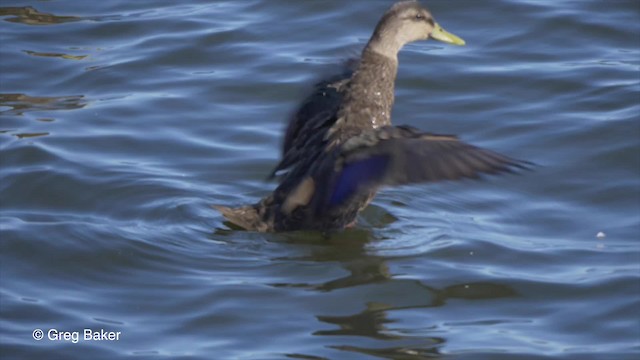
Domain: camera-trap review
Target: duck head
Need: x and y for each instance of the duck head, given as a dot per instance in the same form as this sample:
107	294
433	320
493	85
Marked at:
405	22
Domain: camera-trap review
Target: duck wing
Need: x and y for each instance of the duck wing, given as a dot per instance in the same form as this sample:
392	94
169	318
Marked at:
396	155
317	113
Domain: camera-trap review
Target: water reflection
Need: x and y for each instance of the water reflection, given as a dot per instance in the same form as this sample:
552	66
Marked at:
362	271
14	106
399	353
370	323
30	16
56	55
30	135
385	301
21	103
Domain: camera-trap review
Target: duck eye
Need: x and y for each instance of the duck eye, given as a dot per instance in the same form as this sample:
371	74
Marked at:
419	16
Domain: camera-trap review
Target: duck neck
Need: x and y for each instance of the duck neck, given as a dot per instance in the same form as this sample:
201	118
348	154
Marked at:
369	99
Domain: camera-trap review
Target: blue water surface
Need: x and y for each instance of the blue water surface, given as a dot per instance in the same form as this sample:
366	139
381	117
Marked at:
122	122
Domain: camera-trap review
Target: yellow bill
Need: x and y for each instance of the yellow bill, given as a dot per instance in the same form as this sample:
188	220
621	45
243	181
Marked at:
441	34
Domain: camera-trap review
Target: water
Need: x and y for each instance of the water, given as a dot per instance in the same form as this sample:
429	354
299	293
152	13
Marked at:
123	121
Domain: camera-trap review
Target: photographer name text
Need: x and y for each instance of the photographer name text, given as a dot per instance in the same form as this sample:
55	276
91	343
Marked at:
77	336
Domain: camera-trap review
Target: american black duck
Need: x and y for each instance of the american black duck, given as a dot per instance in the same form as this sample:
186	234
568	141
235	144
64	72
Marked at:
340	146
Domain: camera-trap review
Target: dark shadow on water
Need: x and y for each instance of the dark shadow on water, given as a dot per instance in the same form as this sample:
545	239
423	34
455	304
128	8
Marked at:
428	351
382	296
374	322
30	16
55	55
15	106
21	103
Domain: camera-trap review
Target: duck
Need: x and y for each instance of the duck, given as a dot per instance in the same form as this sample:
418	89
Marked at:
340	147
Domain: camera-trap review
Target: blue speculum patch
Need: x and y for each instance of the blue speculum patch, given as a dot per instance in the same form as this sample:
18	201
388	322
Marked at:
357	174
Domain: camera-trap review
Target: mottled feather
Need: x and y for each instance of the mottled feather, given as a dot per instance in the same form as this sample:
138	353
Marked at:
340	148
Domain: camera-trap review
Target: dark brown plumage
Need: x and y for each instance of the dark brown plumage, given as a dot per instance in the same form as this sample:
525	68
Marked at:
340	147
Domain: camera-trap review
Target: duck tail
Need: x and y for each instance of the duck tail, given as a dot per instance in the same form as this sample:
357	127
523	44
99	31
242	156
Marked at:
246	217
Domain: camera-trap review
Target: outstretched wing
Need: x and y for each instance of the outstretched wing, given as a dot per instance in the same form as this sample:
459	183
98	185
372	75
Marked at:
317	113
402	155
